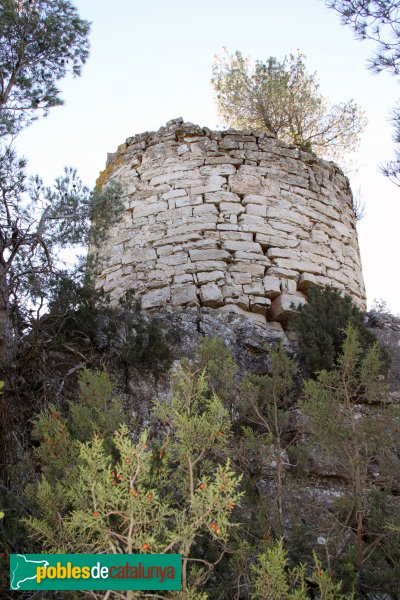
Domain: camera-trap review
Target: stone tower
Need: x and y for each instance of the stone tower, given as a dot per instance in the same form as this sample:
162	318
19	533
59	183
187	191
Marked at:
232	220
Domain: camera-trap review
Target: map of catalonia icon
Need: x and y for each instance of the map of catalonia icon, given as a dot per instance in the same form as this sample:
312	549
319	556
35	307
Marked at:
24	570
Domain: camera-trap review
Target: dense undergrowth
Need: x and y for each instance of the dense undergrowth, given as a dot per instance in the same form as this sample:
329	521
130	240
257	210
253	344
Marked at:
221	468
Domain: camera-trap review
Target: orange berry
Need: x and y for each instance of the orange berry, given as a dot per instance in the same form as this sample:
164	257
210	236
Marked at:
150	496
219	433
136	494
202	486
96	514
213	526
146	446
145	546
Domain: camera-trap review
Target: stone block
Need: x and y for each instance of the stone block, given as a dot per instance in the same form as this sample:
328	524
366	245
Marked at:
213	254
211	184
256	209
254	288
231	208
247	267
255	199
156	298
305	280
184	278
209	276
204	209
221	196
283	305
300	266
259	304
243	246
272	286
210	295
222	169
184	294
243	183
188	200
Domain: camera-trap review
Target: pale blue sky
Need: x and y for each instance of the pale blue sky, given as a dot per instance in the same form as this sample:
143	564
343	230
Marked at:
151	62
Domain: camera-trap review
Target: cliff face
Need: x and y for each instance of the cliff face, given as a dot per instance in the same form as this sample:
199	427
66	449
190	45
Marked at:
228	220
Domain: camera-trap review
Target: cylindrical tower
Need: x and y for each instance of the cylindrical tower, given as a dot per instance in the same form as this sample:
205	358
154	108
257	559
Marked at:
227	219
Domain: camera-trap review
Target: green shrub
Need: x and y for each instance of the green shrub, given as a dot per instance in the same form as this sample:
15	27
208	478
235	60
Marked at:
320	325
274	580
96	413
219	364
141	496
80	313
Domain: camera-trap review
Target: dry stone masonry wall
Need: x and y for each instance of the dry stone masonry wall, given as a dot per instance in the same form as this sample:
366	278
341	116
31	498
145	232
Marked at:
227	219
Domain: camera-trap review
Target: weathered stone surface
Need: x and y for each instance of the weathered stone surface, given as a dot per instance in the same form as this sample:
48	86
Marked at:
156	298
227	218
244	183
182	295
211	295
272	286
281	307
196	255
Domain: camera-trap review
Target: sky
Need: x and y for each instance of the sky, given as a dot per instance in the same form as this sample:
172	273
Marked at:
151	62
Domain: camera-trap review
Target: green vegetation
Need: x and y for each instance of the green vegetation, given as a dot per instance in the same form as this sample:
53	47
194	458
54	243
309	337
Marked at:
378	21
338	405
189	481
282	98
264	401
148	495
275	580
321	327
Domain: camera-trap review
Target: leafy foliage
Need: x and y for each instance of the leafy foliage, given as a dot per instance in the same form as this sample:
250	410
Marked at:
282	98
41	41
320	325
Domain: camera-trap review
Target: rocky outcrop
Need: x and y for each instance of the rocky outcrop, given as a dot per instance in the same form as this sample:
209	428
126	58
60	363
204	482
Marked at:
229	220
